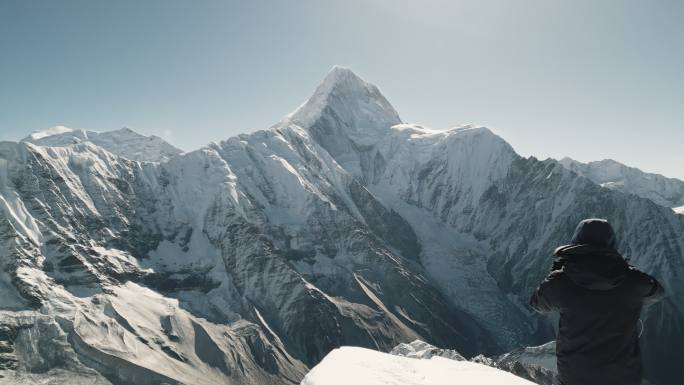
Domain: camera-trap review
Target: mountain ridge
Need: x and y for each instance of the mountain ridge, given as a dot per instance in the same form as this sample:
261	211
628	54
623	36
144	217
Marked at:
608	173
123	142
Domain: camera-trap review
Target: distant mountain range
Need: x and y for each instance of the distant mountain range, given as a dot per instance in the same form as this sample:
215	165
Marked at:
126	261
124	142
668	192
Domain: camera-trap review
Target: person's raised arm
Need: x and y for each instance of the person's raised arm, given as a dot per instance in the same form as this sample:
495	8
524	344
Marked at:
651	290
656	293
546	298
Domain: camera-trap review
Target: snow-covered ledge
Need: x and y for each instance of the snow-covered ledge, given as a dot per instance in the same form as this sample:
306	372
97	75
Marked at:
352	365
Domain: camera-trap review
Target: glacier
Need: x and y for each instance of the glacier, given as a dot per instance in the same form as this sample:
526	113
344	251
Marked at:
125	260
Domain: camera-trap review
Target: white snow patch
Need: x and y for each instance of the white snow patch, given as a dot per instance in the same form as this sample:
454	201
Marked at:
13	208
351	365
679	210
354	101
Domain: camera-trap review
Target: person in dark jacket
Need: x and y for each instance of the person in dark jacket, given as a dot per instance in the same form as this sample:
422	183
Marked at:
599	297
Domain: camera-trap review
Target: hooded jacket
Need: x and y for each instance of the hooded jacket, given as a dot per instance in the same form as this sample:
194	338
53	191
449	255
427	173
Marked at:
599	297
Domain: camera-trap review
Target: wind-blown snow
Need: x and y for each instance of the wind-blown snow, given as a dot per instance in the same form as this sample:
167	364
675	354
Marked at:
350	365
49	132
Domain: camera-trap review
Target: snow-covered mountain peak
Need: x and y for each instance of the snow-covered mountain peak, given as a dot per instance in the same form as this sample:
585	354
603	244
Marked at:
608	173
460	144
35	135
123	142
338	73
344	97
341	77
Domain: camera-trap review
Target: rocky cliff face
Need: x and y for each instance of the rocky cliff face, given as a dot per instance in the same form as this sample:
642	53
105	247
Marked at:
247	261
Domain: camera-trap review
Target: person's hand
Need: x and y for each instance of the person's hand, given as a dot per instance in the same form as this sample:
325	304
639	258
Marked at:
558	264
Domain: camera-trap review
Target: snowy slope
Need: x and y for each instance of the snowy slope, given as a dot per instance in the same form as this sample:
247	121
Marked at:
679	210
124	142
74	252
349	365
668	192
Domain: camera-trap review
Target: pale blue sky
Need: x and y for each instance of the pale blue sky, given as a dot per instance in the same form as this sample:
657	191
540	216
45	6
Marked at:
587	79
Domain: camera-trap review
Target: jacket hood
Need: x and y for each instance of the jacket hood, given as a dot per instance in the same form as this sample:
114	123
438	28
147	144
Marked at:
595	232
592	267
